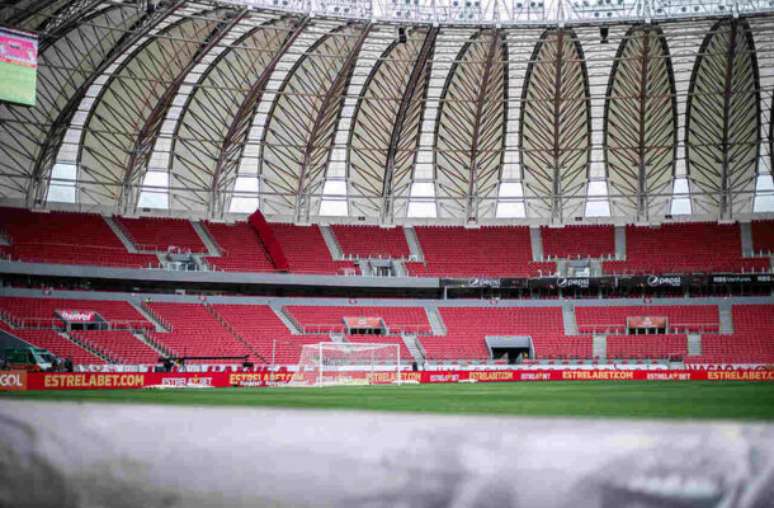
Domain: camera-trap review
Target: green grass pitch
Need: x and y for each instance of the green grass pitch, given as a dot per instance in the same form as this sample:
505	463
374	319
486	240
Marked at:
632	399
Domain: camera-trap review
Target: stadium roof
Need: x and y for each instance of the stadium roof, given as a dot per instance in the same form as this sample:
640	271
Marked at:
470	112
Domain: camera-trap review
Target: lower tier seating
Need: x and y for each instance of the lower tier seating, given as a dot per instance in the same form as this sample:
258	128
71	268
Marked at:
325	319
646	346
119	345
196	332
468	327
606	319
60	346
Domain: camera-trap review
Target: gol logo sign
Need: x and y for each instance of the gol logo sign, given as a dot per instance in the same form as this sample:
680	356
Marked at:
13	380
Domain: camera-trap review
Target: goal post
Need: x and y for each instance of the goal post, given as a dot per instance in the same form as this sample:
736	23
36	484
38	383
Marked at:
345	363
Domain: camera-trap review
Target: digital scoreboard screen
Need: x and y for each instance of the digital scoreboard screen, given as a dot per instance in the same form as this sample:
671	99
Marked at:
18	66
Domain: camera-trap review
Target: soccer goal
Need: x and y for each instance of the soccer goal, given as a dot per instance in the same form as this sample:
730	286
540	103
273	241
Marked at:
337	364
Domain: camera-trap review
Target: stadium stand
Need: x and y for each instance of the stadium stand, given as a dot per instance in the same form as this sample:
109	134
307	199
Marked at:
196	332
763	236
646	346
326	319
86	239
468	327
371	241
578	242
612	319
306	251
683	248
240	248
60	346
751	342
122	346
159	234
260	327
488	251
41	310
66	238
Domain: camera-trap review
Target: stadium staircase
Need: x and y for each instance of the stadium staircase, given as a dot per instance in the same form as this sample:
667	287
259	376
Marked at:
234	333
414	347
536	243
620	243
213	249
745	232
85	345
694	344
415	249
436	321
286	318
150	316
599	346
568	319
330	241
726	318
121	234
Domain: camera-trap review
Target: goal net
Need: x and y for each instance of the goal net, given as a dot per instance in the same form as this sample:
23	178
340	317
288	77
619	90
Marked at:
336	364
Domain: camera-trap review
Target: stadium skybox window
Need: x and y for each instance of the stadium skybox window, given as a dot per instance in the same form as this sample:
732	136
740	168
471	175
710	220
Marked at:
63	181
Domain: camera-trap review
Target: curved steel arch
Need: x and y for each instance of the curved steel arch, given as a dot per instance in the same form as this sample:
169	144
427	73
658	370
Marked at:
323	130
638	158
144	142
234	144
722	150
110	138
286	180
417	80
568	143
44	161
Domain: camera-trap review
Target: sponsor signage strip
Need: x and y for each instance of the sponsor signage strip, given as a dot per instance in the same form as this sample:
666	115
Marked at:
626	281
20	380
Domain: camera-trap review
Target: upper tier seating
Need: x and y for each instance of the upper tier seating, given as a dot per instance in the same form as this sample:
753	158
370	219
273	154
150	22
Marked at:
306	250
159	234
42	310
69	238
488	252
468	327
324	319
684	248
763	236
196	332
119	345
751	342
241	249
259	326
578	242
371	241
58	345
605	319
646	346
